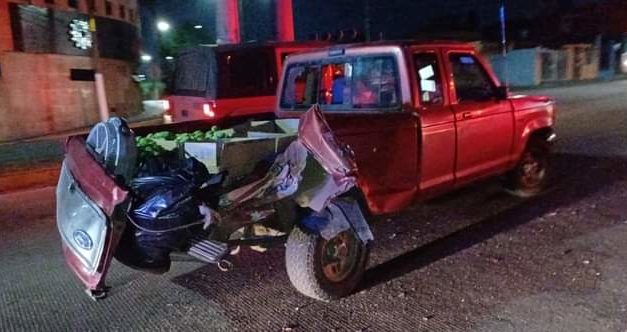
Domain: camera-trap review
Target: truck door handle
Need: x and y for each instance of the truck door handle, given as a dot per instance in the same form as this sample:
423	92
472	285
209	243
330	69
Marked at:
466	115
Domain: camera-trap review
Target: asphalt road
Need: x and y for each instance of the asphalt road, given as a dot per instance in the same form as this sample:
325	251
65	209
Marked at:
473	260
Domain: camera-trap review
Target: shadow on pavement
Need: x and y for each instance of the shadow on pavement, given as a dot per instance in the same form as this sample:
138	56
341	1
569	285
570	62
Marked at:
575	178
257	294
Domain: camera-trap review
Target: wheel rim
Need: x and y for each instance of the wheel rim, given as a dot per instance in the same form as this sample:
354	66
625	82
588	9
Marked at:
339	256
533	170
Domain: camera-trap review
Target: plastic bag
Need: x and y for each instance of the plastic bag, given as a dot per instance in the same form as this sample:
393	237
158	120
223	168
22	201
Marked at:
112	143
166	213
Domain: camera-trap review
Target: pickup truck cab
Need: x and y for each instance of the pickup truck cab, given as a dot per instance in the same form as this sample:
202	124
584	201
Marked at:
379	127
422	118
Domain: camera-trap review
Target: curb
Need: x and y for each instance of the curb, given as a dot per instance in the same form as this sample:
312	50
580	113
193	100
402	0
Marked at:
23	179
139	121
568	84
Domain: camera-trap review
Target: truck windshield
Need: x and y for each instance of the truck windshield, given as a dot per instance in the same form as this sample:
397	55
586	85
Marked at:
195	72
343	85
247	73
214	73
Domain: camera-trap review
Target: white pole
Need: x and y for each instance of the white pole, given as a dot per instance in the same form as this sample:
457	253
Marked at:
284	20
227	22
502	19
101	97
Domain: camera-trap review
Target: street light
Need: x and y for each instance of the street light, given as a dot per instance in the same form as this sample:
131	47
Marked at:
146	58
163	26
198	26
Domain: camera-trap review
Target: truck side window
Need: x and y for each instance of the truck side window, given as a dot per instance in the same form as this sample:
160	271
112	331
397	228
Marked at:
334	89
302	87
429	79
472	83
344	84
375	83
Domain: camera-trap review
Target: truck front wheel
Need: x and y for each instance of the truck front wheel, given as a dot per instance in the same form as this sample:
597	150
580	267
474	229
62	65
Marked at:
325	269
530	175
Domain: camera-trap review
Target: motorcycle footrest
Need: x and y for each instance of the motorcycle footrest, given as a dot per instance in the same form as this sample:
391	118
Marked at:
207	251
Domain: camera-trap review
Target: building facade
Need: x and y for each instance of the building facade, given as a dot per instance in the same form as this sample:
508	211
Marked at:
47	59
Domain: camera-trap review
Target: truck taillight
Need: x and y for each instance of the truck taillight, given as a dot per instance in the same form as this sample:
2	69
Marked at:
166	105
208	110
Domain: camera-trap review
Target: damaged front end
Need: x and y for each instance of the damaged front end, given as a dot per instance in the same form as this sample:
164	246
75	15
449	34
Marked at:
189	207
311	174
89	209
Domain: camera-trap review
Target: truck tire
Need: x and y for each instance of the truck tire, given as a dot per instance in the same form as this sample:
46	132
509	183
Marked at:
325	270
530	176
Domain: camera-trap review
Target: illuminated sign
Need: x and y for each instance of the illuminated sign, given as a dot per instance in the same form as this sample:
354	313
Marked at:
80	34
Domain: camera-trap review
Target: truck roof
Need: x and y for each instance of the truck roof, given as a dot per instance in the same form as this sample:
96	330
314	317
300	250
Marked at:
269	44
309	54
323	45
410	42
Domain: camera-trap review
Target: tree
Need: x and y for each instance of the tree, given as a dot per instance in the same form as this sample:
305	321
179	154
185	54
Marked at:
183	36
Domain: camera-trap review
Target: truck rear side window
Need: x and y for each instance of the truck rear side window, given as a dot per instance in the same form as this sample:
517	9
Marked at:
343	85
429	79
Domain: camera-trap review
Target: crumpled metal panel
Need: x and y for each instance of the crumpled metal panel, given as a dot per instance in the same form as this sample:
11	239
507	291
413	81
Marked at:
316	135
283	180
339	216
386	152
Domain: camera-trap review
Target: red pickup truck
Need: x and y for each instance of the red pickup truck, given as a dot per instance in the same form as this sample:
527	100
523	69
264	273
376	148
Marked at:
382	125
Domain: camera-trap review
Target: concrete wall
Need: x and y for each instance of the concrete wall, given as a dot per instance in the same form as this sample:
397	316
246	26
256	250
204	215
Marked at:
533	66
583	61
6	37
129	5
519	68
37	96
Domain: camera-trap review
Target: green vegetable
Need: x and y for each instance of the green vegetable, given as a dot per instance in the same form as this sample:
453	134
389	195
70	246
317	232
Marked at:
163	135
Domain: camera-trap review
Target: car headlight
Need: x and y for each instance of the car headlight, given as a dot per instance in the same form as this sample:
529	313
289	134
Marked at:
82	225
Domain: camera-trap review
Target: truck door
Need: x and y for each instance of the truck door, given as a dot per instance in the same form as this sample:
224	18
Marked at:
484	122
437	155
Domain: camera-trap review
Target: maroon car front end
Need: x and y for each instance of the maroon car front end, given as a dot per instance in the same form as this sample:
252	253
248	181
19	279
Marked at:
88	203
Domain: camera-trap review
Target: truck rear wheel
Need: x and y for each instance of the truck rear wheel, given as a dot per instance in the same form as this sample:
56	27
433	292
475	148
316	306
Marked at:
530	175
325	269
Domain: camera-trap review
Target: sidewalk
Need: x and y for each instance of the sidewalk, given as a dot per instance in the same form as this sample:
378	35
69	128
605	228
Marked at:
35	162
566	84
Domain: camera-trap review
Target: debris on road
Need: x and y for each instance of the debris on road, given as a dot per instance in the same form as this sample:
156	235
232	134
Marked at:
290	327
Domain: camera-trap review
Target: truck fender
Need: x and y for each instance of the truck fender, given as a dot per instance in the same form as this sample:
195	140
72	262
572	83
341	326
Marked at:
338	216
541	129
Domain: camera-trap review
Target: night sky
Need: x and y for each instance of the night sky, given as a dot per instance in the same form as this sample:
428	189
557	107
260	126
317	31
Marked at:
395	18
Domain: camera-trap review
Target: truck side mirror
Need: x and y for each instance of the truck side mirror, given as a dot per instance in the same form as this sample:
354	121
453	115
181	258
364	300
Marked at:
502	92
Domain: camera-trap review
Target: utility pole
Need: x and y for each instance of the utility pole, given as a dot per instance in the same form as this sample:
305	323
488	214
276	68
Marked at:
503	30
504	41
284	20
227	22
367	20
101	94
95	52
